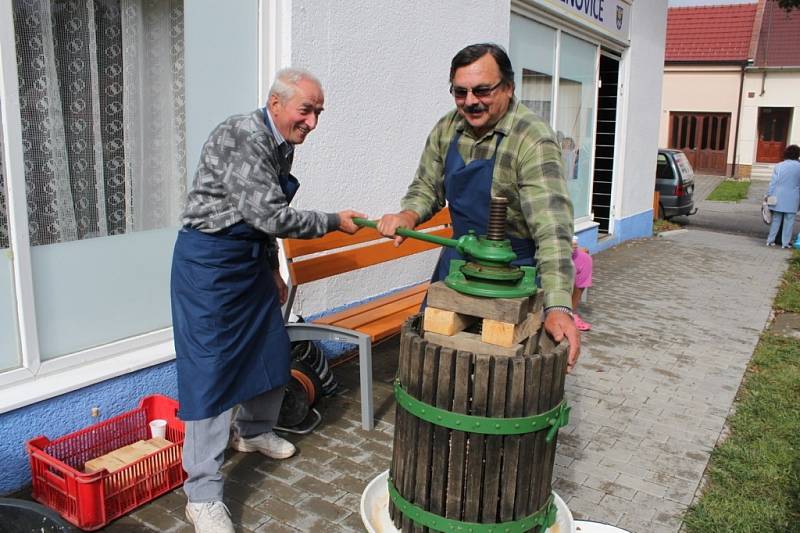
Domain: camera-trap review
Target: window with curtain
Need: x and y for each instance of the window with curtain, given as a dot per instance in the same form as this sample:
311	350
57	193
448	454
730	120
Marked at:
533	48
101	88
574	124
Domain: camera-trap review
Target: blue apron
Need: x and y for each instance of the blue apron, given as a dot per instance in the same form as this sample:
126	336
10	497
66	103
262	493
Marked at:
468	190
230	341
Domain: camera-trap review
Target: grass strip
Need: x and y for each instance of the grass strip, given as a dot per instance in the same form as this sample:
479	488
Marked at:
754	475
730	191
788	298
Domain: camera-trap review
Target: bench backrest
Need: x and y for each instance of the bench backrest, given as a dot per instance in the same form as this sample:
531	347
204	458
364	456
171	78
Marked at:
337	252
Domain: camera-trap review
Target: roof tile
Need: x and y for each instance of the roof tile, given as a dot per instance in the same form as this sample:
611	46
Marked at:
709	33
779	39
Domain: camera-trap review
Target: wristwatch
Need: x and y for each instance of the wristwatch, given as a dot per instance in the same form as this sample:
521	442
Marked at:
562	308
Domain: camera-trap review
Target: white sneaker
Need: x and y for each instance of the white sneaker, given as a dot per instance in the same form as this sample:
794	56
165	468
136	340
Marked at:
269	444
209	517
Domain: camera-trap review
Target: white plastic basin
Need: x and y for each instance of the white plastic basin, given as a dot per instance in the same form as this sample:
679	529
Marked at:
375	510
584	526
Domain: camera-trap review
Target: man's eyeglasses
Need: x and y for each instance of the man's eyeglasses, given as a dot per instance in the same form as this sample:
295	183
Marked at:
481	91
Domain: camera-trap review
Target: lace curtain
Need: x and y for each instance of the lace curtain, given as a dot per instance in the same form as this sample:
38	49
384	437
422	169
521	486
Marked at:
102	108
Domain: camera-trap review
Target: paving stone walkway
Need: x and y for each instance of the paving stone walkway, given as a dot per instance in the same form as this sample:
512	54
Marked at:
676	319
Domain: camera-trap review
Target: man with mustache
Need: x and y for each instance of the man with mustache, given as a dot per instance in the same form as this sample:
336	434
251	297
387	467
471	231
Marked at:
231	346
491	145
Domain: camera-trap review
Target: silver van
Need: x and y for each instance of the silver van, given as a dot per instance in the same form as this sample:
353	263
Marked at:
675	184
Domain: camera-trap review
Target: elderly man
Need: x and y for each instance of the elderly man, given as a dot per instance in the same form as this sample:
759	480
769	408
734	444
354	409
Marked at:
230	342
491	145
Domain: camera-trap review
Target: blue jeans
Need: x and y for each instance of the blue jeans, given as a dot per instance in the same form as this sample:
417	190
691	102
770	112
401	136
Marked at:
788	226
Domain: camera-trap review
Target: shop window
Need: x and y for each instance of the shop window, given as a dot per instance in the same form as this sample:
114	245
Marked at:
102	109
533	57
575	118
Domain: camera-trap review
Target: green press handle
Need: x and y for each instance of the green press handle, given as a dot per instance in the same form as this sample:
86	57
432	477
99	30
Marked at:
404	232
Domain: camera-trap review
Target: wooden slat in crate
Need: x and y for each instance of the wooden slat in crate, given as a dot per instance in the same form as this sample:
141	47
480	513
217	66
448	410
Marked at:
456	479
557	394
515	407
441	435
494	443
430	369
475	456
414	387
536	499
398	466
533	371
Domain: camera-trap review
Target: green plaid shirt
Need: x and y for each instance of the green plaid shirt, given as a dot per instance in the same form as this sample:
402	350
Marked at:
528	171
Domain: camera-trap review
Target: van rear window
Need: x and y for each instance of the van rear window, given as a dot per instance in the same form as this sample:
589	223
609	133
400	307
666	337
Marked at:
687	173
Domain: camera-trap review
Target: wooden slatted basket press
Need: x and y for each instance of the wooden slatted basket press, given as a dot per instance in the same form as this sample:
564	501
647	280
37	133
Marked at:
476	428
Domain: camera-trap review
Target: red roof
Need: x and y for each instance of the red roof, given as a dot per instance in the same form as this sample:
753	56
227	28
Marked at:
779	39
709	33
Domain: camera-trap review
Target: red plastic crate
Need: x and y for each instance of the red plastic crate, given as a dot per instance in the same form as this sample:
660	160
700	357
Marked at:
90	501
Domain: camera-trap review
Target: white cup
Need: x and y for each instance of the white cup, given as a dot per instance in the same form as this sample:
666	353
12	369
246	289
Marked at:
158	428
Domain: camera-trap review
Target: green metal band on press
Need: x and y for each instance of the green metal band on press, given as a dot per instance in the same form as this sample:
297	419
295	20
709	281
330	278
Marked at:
553	419
543	518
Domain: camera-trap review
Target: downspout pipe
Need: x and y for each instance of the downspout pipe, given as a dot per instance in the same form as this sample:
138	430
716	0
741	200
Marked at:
734	164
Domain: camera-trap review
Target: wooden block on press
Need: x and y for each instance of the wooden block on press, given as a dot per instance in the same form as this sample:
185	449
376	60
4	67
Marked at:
445	322
471	342
505	334
511	310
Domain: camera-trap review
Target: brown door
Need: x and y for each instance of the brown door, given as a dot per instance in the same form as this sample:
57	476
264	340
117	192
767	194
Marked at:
703	137
773	130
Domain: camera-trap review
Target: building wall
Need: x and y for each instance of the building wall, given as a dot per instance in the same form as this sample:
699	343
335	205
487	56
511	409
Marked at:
637	153
778	89
701	90
385	70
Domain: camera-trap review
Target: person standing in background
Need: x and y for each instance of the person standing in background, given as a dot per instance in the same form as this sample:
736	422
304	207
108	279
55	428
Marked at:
784	191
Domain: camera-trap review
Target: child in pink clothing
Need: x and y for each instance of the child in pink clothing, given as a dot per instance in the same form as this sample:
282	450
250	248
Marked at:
583	279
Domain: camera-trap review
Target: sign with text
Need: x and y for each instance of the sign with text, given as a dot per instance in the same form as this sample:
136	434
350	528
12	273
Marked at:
612	16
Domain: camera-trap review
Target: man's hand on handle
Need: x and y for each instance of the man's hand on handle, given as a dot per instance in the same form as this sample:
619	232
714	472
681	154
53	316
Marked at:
559	325
346	223
389	223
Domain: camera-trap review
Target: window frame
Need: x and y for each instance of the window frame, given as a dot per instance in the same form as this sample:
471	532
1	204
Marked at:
36	380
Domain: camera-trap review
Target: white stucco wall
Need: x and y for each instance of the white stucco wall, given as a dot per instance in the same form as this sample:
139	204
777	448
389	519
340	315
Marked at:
643	67
780	89
384	66
703	90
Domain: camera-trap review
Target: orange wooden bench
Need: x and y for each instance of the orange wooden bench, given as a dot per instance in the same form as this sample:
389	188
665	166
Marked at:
336	253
